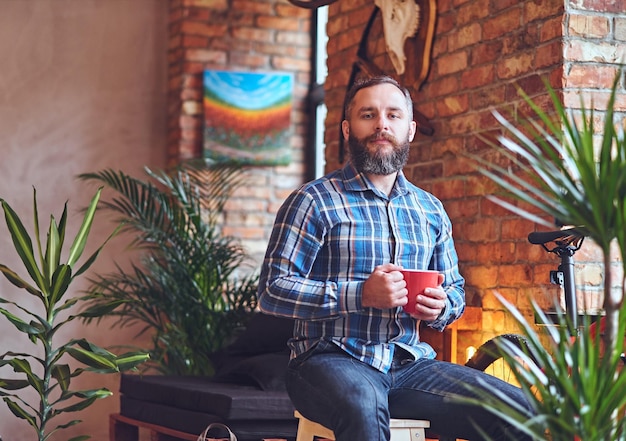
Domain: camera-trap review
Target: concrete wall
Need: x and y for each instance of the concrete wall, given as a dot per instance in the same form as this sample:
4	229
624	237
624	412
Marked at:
82	88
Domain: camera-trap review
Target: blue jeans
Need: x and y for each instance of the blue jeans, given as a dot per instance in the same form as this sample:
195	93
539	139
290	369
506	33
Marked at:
356	401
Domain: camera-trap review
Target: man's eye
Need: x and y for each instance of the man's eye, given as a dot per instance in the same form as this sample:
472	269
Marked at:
367	115
394	116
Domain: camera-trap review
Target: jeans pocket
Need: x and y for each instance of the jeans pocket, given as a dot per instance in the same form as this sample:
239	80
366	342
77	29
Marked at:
321	347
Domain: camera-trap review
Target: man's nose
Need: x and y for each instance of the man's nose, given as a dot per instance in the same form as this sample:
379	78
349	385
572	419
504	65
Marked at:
382	123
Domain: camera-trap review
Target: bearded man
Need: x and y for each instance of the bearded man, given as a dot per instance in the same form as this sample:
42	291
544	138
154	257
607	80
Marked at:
333	264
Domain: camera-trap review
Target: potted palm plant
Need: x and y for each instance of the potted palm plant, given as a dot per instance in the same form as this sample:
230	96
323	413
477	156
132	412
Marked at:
567	168
46	370
188	290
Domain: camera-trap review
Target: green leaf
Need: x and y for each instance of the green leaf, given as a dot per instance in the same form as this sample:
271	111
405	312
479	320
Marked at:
78	246
92	360
19	412
21	325
83	404
23	245
67	304
21	365
65	426
19	282
130	360
99	310
53	251
61	373
84	267
11	384
60	282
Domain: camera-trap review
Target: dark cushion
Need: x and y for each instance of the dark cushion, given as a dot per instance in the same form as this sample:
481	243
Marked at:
247	393
263	334
201	394
266	371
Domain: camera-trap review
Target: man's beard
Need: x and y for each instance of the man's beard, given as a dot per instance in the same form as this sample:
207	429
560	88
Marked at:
378	163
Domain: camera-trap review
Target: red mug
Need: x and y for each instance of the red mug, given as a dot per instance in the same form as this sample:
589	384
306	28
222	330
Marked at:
416	282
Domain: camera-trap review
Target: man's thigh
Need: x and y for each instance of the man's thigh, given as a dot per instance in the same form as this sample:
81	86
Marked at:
427	389
329	383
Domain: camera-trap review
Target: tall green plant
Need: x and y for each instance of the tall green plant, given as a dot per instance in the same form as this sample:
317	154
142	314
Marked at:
569	173
50	375
568	169
185	289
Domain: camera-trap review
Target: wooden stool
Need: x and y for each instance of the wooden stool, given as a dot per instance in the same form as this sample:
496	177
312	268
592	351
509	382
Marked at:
401	430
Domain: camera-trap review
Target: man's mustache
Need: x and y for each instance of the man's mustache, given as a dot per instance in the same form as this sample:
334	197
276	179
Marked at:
382	136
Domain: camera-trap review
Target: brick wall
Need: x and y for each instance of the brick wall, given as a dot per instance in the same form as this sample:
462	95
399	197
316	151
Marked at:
249	36
594	43
483	48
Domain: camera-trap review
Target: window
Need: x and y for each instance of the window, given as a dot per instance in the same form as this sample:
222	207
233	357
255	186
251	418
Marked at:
320	71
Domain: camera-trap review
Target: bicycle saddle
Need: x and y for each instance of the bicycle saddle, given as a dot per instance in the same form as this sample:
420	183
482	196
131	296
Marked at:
570	234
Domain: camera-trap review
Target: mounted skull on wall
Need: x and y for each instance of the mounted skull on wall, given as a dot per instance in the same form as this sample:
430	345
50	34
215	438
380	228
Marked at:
400	21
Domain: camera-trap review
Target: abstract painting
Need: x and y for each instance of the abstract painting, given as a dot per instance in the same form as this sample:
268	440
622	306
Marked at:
247	117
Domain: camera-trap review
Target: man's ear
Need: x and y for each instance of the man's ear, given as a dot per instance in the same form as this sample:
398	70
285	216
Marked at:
345	129
412	130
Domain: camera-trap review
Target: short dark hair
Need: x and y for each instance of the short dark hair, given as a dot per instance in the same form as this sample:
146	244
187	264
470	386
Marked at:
364	83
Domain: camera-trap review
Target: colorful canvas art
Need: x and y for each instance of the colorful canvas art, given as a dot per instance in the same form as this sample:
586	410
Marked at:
247	117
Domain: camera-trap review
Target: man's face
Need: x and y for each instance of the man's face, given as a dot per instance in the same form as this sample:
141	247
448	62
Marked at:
379	130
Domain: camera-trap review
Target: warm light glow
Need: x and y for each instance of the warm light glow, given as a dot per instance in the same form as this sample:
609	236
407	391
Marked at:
469	352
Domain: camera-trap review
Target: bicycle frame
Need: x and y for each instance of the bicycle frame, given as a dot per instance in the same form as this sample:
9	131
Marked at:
566	242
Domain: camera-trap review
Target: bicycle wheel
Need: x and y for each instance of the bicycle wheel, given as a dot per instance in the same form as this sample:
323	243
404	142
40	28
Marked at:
488	357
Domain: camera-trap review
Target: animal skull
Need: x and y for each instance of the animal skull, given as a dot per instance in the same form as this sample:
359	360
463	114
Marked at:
400	21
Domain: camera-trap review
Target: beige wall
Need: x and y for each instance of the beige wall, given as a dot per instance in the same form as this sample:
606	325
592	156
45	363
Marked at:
82	88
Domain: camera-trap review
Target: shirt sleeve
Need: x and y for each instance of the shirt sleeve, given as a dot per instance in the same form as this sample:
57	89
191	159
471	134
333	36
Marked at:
445	260
285	288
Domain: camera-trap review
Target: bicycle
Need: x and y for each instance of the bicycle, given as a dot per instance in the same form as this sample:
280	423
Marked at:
564	243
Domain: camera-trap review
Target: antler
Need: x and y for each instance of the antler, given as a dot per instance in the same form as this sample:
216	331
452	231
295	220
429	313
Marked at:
311	4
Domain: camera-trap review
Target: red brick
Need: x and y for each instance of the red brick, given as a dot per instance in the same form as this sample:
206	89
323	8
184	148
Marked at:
213	4
205	55
464	37
204	29
486	52
541	9
613	6
588	26
297	39
515	275
199	14
192	41
515	66
482	276
599	77
278	23
252	34
551	29
255	7
451	63
500	5
471	12
461	208
549	55
477	76
498	25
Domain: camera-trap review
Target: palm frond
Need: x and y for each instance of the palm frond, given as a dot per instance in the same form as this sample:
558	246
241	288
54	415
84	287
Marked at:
183	290
568	169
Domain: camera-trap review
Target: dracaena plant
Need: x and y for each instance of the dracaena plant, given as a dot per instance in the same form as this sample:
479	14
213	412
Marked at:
566	167
190	288
47	369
